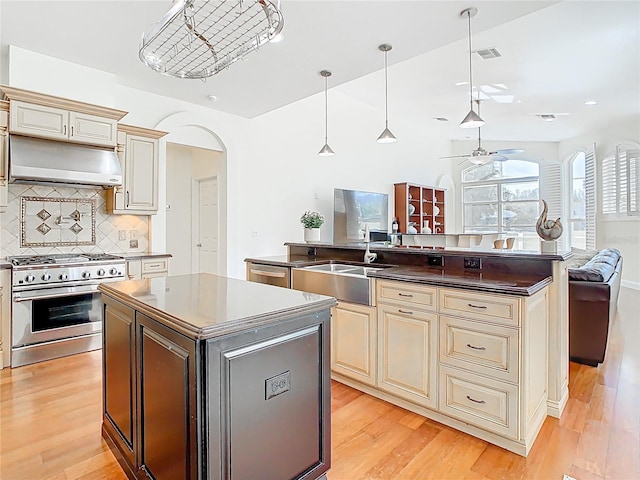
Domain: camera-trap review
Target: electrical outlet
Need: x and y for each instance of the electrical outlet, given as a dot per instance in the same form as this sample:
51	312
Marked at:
254	233
122	234
435	261
133	243
133	234
472	262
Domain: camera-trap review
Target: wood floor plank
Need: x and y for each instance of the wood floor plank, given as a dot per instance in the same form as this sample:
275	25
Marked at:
50	415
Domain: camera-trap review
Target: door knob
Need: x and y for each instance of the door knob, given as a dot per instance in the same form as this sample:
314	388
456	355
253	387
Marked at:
198	244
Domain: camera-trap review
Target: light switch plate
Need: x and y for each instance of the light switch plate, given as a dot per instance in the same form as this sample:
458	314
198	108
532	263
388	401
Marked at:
122	234
133	234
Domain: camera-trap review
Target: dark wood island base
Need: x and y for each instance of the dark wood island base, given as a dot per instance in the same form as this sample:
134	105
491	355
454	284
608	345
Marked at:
209	388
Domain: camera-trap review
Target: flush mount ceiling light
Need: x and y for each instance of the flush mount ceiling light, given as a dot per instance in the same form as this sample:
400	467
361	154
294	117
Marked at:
199	38
386	136
326	151
472	120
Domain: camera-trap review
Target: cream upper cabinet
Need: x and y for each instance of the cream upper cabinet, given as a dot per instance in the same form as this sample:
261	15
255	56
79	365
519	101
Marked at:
353	342
59	124
45	116
407	358
138	150
4	107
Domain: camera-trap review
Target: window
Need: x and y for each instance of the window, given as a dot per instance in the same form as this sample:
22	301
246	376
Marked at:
620	179
501	197
578	202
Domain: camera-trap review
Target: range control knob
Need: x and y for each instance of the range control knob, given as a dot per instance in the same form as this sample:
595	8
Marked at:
113	271
46	277
86	274
63	276
29	278
100	272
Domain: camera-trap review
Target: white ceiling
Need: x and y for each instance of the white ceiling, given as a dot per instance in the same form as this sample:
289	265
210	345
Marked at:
555	55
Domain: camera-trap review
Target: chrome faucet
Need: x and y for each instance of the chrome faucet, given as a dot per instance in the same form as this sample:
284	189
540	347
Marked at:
368	256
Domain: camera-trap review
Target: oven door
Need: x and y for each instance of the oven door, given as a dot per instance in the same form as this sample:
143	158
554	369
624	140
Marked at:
52	314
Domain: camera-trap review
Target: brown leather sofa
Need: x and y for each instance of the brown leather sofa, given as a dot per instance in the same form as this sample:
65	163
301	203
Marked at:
593	298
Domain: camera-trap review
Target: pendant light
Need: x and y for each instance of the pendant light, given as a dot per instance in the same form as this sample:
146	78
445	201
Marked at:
386	136
472	120
326	150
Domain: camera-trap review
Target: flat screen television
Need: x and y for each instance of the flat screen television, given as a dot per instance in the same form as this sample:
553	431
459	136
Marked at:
353	210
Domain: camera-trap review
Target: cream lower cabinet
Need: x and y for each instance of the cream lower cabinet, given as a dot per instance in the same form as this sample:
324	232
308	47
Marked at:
5	318
147	268
354	342
407	353
472	360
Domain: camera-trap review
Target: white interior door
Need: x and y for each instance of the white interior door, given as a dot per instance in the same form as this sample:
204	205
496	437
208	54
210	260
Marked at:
206	249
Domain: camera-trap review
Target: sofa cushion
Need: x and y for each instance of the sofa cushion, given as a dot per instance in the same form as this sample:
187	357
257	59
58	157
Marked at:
598	269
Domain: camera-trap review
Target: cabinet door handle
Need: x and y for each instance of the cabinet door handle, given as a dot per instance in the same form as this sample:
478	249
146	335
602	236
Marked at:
64	129
476	348
477	306
72	131
405	311
474	400
127	198
408	295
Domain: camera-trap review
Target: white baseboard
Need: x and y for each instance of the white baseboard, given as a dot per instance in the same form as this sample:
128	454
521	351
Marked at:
629	284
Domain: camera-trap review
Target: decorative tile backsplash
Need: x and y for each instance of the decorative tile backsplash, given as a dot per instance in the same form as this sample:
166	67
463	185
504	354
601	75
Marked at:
74	206
57	222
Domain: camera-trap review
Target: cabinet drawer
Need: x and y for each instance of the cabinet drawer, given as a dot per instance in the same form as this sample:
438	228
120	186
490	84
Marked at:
481	306
484	402
155	265
409	294
487	349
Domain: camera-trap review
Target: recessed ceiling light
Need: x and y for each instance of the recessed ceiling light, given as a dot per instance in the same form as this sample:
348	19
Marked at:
458	84
212	98
590	102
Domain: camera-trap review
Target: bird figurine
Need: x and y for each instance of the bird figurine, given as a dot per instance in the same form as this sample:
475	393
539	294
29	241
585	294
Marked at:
548	230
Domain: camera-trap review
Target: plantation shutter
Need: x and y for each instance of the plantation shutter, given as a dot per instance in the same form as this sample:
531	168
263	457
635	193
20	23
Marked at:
551	188
609	185
633	180
623	179
590	198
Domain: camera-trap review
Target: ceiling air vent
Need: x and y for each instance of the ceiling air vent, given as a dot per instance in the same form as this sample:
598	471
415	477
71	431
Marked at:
547	117
487	53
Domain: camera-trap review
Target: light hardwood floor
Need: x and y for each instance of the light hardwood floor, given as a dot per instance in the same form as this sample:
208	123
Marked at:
50	417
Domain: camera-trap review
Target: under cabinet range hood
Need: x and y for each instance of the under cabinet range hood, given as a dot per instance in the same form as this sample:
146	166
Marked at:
33	160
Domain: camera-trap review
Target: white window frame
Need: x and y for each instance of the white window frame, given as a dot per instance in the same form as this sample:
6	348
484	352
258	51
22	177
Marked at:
619	183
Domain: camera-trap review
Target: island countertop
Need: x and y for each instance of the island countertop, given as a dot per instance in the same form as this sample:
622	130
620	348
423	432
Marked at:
203	306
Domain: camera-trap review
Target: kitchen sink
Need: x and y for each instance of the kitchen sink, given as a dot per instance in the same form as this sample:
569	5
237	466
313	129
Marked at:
348	283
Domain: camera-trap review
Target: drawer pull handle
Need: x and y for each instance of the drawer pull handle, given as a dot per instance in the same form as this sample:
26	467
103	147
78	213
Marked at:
474	400
405	295
405	311
477	306
476	348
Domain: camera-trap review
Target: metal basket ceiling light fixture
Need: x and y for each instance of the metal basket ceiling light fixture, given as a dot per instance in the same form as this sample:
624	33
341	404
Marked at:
199	38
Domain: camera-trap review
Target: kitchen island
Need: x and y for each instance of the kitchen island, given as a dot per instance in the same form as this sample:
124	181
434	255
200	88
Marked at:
207	377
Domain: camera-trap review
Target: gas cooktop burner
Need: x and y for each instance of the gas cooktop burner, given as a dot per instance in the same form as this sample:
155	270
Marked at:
62	258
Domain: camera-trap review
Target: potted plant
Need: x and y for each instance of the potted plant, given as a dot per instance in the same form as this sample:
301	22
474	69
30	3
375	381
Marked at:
312	221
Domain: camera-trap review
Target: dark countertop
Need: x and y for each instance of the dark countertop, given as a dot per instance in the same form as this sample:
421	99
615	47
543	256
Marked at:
140	255
495	282
5	265
204	306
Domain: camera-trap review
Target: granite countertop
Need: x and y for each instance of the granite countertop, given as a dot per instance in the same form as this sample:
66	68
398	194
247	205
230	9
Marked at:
495	282
204	306
140	255
4	265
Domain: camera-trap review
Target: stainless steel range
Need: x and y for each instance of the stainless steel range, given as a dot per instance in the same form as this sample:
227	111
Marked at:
56	306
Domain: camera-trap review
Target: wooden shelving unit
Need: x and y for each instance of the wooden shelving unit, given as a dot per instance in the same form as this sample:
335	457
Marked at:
421	206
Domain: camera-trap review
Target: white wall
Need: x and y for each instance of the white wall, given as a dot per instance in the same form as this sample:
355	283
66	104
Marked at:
622	232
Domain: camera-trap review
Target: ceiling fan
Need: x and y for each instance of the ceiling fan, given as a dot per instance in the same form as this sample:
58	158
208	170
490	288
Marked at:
480	156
